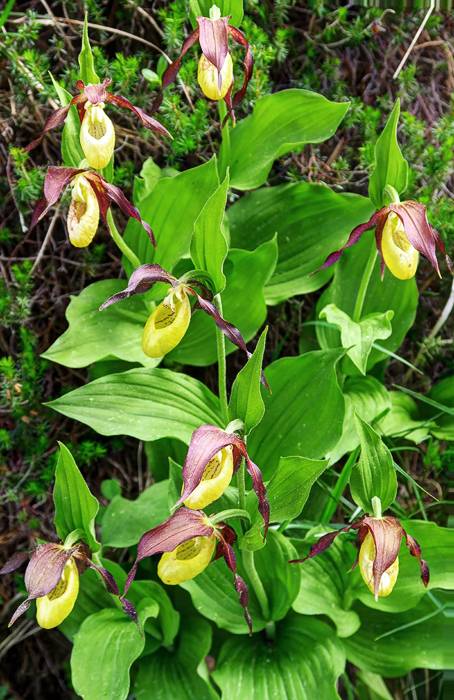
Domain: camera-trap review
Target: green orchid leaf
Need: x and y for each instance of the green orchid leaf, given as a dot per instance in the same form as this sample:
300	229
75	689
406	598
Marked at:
403	420
136	517
243	305
71	150
246	401
75	506
325	587
87	72
166	624
208	246
305	397
214	595
95	335
357	338
295	212
374	474
290	486
105	647
280	123
179	672
171	206
390	166
302	662
393	645
144	403
368	398
381	296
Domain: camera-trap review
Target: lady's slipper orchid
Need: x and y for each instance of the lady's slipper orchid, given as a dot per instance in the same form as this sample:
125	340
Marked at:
215	70
401	231
379	541
52	579
97	134
169	321
213	456
91	196
188	541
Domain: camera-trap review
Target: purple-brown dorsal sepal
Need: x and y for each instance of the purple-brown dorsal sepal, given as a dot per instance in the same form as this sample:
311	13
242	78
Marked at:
323	543
147	121
387	533
43	573
180	527
419	232
14	562
57	178
172	71
248	63
354	237
106	576
415	551
205	443
56	119
141	280
214	41
225	550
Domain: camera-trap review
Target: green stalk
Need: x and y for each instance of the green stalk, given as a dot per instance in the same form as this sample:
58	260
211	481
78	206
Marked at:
365	279
224	155
257	585
222	368
125	249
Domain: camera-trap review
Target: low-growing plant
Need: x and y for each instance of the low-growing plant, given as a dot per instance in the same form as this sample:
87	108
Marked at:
231	575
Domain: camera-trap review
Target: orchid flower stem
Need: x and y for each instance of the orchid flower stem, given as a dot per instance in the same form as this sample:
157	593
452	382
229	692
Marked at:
125	249
222	369
224	156
256	583
365	279
241	483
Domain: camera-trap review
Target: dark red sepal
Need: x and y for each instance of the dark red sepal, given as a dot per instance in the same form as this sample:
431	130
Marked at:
147	121
354	237
214	41
207	441
387	533
180	527
248	63
323	543
141	280
415	551
57	178
14	562
225	550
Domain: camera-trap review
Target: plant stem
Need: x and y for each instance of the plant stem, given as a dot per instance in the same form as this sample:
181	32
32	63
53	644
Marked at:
241	484
125	249
376	506
365	279
222	371
257	585
224	154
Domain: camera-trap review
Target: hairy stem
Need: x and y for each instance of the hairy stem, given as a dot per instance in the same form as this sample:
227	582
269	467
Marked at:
365	279
222	369
125	249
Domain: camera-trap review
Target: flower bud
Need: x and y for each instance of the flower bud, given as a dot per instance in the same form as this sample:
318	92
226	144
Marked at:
97	136
400	257
188	560
83	214
208	78
167	324
215	479
55	607
366	560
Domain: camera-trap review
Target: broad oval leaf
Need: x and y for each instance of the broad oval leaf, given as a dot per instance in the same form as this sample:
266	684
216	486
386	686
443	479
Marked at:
136	517
290	486
75	506
280	123
105	648
302	662
418	638
296	213
95	335
144	403
171	209
381	296
214	596
303	414
180	672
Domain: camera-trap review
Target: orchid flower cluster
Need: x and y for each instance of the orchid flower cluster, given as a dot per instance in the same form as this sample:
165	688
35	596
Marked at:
189	540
